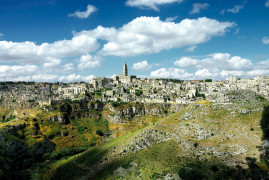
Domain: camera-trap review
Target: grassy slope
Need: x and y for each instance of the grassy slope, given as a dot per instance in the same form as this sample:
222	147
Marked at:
222	133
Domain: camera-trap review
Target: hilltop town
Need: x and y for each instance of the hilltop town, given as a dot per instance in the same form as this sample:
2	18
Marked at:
126	88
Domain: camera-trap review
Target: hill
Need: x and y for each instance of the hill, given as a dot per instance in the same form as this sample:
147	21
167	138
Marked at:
201	140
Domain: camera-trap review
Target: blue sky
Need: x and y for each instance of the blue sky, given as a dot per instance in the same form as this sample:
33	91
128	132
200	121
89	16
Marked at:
75	40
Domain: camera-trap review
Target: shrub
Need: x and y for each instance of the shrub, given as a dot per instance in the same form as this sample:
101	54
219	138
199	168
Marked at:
265	122
200	95
99	133
138	92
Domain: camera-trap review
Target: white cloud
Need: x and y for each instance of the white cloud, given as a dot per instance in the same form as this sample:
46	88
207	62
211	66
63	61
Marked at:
267	3
147	35
29	52
236	31
142	66
14	71
1	34
206	73
17	73
173	73
68	67
191	49
44	77
87	61
52	62
226	73
223	65
265	40
186	62
112	76
217	60
149	4
75	78
197	7
84	14
170	19
235	9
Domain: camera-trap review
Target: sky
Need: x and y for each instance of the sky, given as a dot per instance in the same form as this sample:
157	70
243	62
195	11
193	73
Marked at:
76	40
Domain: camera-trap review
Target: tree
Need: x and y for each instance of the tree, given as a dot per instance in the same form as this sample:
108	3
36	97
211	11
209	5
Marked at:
100	133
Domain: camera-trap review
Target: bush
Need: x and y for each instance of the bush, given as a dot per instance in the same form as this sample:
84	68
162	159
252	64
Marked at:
261	98
265	122
115	104
99	133
66	152
200	95
138	92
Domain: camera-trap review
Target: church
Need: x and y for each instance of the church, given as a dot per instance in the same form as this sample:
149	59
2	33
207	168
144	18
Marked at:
100	82
124	78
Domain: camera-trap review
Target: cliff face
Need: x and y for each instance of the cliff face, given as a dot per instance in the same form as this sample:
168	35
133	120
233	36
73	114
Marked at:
127	112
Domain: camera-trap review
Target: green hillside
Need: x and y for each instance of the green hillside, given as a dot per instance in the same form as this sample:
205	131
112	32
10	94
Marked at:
202	140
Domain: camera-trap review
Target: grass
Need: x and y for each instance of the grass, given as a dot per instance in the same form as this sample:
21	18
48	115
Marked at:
68	168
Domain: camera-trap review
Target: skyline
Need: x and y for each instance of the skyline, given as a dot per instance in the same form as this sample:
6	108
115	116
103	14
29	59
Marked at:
66	41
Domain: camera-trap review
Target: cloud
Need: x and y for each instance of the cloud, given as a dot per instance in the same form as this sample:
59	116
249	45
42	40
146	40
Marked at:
186	62
84	14
173	73
142	66
235	9
221	66
170	19
147	35
29	52
205	73
1	34
35	73
149	4
236	31
265	40
68	67
75	78
87	61
7	72
217	60
267	3
52	62
191	49
197	7
44	77
263	64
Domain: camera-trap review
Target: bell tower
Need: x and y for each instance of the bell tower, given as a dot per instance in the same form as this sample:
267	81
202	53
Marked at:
125	70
